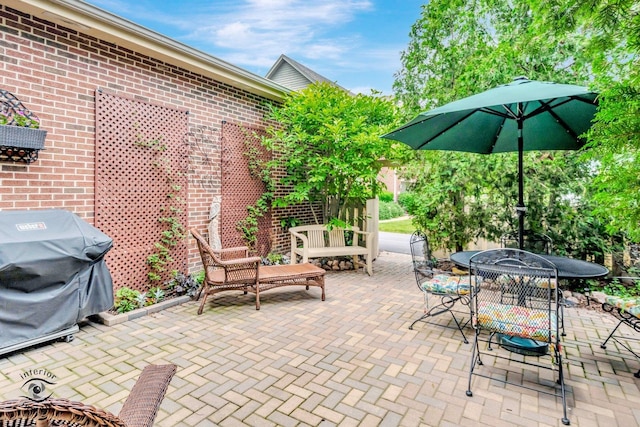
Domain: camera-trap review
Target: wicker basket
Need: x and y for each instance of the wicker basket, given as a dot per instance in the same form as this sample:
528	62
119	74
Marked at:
22	137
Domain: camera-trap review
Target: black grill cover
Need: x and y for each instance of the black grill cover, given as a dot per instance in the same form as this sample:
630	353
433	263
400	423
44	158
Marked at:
52	273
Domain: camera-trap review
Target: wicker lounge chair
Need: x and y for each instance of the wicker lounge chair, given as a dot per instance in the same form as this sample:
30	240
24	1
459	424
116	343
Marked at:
223	273
139	410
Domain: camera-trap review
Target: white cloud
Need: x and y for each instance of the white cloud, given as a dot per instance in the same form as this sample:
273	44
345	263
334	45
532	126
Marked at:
324	50
254	33
256	28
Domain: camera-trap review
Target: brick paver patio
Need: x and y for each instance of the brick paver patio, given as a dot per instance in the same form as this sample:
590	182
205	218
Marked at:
348	361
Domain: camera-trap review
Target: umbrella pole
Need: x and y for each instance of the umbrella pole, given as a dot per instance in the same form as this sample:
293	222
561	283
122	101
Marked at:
520	207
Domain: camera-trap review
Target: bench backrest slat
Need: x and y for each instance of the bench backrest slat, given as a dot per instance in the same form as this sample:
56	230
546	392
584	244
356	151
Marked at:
316	238
319	237
336	238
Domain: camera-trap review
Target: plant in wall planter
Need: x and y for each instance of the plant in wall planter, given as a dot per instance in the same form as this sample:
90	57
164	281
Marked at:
20	135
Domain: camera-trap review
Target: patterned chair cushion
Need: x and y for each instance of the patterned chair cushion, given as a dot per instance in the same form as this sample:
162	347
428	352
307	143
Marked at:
630	305
540	282
446	284
516	320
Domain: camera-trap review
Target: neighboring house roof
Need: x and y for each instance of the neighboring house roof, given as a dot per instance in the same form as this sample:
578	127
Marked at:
293	75
87	19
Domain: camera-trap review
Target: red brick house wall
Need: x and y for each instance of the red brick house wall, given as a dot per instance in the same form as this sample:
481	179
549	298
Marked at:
55	71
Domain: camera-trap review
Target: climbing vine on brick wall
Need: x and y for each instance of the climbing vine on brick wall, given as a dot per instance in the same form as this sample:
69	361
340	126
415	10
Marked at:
174	230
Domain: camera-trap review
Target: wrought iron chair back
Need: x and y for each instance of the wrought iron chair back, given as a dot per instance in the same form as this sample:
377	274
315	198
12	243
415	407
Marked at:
443	287
421	256
538	243
514	298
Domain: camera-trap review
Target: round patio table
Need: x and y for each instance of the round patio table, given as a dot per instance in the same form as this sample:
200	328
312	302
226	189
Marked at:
568	268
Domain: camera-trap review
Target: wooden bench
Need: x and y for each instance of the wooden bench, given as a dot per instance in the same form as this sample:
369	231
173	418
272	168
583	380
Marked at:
318	241
225	271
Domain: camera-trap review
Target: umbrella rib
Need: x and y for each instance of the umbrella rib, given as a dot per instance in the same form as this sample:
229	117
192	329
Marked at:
498	113
546	107
563	124
443	130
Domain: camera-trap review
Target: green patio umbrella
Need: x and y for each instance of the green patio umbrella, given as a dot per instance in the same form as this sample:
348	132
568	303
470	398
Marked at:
523	115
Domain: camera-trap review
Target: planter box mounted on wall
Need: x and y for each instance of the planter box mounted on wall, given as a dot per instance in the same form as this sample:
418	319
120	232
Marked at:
20	136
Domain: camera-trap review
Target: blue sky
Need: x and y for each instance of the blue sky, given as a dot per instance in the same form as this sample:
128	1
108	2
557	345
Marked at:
356	43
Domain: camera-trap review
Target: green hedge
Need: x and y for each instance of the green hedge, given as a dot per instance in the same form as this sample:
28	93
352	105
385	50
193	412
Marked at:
389	210
385	196
406	200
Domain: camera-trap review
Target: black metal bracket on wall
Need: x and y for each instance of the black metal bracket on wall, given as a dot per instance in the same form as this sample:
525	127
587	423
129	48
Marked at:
17	154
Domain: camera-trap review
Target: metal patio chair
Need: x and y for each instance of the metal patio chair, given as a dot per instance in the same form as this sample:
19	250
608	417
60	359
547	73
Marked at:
514	299
538	243
627	312
139	410
446	288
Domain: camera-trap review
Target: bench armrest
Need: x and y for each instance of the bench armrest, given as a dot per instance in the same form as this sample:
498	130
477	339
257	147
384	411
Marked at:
295	235
367	235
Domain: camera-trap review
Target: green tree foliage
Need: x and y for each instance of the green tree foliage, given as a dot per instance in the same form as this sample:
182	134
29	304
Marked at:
558	202
328	142
446	203
613	45
462	47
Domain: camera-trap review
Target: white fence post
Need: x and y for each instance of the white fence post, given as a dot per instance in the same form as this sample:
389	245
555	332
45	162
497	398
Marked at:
373	221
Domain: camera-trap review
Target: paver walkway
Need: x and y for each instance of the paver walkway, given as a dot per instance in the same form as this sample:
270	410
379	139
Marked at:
348	361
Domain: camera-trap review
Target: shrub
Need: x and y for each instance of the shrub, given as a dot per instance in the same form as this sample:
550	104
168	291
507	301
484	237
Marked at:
390	210
406	200
275	259
619	289
155	295
385	196
126	300
184	284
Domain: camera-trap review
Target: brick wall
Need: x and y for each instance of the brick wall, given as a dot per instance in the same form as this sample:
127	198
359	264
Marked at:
55	72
